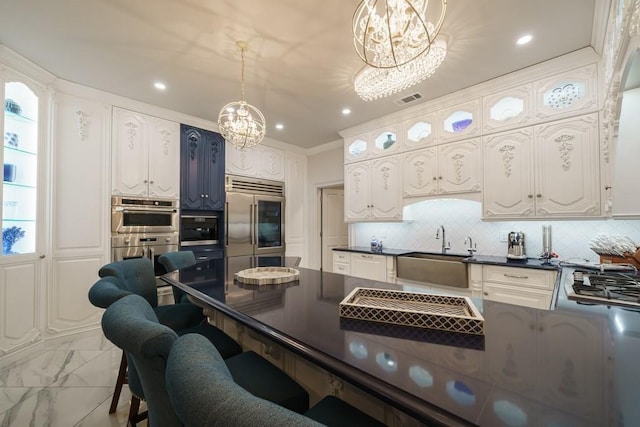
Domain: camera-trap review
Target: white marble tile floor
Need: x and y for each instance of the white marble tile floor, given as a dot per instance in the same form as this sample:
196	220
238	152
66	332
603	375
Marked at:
67	383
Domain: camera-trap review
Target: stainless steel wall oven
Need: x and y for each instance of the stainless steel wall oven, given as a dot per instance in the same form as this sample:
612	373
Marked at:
200	229
143	246
138	215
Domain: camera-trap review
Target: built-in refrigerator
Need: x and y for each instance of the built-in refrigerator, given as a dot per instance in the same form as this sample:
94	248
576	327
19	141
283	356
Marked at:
254	217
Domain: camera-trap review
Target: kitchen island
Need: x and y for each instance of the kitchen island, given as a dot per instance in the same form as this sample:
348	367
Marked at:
573	365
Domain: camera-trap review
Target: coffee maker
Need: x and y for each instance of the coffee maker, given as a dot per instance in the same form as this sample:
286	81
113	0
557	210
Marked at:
516	245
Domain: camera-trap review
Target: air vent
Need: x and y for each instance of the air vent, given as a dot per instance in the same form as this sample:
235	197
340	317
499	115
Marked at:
408	99
243	184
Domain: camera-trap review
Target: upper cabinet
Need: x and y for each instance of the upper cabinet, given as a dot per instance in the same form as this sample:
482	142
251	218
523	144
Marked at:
507	109
385	141
546	171
261	161
20	155
145	155
357	148
374	189
459	122
202	169
419	132
565	94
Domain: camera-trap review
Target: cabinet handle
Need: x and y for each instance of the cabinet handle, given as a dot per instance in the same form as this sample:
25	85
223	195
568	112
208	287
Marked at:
538	195
206	196
202	257
367	256
202	196
439	177
434	178
145	181
515	276
530	196
486	293
42	256
607	187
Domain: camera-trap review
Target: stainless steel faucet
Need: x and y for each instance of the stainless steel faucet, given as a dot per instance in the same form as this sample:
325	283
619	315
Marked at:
472	247
445	245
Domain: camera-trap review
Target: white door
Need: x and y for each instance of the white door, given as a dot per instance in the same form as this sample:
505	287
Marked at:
334	229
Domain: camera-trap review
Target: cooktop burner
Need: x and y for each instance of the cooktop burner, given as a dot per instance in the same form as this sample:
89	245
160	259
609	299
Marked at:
613	288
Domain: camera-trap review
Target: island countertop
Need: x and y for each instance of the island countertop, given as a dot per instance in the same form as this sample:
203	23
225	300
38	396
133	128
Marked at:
573	365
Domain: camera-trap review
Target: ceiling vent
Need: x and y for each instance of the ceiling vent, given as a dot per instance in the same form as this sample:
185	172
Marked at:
408	99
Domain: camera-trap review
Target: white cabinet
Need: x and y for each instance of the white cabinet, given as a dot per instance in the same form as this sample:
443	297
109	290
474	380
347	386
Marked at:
357	148
459	122
146	155
365	266
419	132
507	109
258	162
384	141
566	94
342	262
548	171
23	125
445	169
527	287
80	246
372	190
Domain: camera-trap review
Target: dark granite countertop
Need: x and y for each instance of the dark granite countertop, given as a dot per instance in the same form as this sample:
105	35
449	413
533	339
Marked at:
477	259
573	365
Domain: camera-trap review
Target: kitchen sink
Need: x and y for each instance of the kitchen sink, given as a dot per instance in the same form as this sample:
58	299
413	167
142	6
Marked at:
436	269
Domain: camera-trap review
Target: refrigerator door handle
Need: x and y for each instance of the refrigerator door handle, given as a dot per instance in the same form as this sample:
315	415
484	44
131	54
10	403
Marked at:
252	222
226	224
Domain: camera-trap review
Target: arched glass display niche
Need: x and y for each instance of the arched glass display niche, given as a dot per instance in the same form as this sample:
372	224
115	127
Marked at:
626	148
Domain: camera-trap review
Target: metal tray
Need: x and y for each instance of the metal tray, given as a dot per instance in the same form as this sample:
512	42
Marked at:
423	310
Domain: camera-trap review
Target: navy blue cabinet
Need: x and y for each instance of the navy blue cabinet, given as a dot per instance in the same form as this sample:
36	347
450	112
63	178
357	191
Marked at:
202	169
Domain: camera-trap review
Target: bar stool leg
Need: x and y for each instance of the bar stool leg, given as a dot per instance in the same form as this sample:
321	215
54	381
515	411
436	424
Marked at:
120	381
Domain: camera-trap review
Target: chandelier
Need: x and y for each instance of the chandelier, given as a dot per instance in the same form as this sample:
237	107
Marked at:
372	83
240	123
391	33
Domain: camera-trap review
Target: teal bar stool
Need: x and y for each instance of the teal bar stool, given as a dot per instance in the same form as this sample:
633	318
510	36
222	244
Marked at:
172	261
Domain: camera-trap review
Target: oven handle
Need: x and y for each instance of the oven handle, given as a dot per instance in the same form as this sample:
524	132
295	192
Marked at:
149	210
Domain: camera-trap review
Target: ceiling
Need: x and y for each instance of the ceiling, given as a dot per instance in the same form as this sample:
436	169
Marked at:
301	60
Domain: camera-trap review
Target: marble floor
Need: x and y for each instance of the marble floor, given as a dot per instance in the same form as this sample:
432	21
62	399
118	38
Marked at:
67	383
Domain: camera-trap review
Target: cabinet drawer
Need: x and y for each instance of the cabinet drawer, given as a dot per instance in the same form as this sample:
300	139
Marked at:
534	298
523	277
343	257
341	268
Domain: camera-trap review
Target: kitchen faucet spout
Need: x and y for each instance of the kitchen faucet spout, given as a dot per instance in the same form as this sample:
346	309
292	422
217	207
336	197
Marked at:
445	245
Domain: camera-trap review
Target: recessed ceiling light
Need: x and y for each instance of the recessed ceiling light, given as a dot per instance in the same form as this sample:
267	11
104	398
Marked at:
279	126
160	86
346	111
524	39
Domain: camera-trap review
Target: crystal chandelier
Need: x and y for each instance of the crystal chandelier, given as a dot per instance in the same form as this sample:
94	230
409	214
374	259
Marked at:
391	33
240	123
372	83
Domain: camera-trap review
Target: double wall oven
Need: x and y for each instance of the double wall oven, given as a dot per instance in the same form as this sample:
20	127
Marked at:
144	228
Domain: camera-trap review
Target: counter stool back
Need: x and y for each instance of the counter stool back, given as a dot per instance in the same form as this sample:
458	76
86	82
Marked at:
172	261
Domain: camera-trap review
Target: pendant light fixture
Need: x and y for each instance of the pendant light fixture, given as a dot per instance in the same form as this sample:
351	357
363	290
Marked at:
241	124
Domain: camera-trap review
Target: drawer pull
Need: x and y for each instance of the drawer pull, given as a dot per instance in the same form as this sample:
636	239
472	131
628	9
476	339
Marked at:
515	276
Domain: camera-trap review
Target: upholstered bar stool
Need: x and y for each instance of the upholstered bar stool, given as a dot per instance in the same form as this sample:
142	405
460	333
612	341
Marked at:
172	261
204	391
131	324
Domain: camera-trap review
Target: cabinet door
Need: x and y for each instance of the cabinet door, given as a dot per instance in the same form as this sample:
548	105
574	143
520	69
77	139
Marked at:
271	163
386	184
241	162
130	155
508	175
459	122
213	172
372	267
164	152
19	299
420	174
191	142
356	189
567	165
459	167
508	109
566	94
418	133
357	148
509	294
384	141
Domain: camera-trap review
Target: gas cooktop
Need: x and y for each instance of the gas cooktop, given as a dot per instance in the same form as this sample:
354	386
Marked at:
611	288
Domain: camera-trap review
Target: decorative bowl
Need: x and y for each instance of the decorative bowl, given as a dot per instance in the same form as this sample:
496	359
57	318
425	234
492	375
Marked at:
12	106
461	125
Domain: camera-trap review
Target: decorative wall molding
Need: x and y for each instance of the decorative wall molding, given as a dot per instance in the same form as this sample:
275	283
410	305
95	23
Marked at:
82	124
565	146
132	131
507	158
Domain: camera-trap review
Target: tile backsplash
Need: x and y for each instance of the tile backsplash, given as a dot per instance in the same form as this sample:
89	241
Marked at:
461	218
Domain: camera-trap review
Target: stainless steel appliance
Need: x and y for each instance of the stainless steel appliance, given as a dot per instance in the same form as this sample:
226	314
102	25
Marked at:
254	220
516	248
609	287
199	230
140	215
142	245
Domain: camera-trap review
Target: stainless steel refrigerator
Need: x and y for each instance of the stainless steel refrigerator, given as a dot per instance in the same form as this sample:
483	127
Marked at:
254	217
